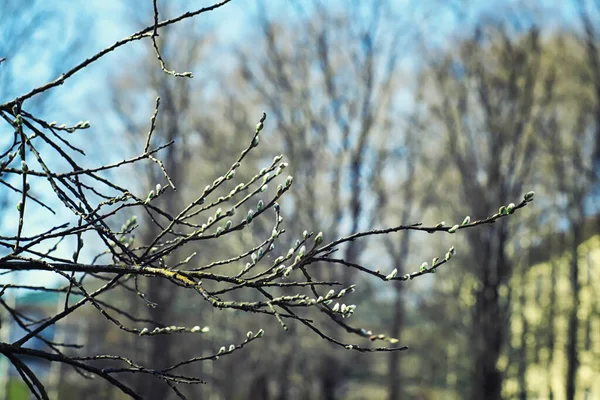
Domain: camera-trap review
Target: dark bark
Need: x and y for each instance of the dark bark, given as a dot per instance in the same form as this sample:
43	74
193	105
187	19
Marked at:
259	389
573	324
490	315
160	348
330	378
552	316
522	366
394	372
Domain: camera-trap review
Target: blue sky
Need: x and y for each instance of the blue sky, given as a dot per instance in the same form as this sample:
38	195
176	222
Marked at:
99	23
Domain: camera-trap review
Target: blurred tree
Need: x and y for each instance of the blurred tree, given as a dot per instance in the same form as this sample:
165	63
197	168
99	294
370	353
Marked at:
331	78
483	97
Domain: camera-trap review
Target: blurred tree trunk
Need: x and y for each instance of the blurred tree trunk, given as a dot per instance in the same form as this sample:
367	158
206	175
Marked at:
522	361
399	253
160	348
489	314
572	350
259	388
394	390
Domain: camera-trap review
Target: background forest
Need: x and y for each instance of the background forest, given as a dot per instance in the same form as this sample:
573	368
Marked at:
389	112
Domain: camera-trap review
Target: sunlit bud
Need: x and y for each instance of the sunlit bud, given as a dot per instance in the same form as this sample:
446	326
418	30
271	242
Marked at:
392	274
453	229
423	267
466	221
529	195
510	208
302	251
260	333
319	238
